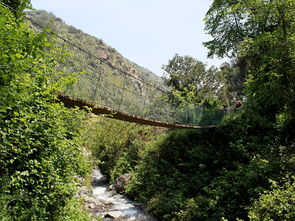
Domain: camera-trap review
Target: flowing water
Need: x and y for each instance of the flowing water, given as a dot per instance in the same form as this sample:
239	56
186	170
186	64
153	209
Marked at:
115	206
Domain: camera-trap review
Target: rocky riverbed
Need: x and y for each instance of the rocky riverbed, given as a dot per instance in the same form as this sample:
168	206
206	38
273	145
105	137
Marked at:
105	203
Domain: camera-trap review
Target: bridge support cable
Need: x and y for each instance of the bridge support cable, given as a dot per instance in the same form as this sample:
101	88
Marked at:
144	101
122	94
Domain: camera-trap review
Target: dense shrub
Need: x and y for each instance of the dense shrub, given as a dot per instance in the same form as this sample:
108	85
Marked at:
276	204
116	145
207	175
39	150
196	175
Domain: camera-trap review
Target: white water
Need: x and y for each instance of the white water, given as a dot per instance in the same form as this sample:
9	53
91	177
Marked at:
117	206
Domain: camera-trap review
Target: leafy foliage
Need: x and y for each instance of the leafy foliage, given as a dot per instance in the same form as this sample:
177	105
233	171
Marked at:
116	145
262	34
190	82
276	204
17	6
39	151
232	76
201	96
207	175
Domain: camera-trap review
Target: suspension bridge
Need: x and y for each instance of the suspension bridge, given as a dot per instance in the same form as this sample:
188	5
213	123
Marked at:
71	102
118	92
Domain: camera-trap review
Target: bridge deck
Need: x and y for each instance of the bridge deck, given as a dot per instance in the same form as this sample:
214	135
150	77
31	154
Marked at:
71	102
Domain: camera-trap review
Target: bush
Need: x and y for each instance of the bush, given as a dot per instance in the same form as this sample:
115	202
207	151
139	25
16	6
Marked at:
39	146
275	204
208	174
116	145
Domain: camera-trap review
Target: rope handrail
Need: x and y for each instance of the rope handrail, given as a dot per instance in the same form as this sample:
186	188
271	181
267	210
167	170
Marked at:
71	102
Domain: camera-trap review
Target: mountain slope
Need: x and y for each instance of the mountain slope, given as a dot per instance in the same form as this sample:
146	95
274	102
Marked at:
101	83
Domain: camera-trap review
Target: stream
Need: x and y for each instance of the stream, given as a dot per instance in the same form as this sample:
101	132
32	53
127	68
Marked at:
109	205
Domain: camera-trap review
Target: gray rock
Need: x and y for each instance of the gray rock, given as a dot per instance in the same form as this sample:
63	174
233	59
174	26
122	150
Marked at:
121	182
108	217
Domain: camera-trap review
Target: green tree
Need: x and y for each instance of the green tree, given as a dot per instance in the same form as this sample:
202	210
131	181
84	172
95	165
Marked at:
190	82
232	80
262	33
271	58
276	204
17	6
230	22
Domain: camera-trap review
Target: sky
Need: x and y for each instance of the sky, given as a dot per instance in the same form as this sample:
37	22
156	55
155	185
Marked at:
147	32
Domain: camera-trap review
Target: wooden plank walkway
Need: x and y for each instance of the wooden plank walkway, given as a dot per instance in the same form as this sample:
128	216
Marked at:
71	102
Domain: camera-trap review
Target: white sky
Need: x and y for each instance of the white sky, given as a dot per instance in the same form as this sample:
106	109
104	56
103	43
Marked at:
148	32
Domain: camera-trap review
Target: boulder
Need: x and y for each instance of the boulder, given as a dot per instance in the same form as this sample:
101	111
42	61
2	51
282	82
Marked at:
108	217
121	182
